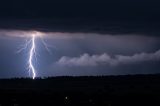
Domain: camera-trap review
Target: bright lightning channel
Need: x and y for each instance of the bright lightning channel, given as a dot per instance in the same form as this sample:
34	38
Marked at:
32	50
31	56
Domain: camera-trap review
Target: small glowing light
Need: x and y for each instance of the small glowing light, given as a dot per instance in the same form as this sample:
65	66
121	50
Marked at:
36	34
66	98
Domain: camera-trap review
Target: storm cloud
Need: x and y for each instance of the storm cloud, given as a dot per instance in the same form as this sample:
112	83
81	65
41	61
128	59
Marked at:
85	38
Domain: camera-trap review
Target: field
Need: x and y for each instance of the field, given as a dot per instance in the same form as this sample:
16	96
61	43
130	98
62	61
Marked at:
78	91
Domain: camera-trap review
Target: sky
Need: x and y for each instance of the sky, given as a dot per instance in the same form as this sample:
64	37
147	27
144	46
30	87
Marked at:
84	38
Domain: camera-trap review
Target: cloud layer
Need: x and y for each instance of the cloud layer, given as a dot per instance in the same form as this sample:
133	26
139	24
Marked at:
106	59
28	33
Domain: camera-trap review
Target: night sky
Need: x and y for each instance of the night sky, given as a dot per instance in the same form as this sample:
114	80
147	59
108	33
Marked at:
85	38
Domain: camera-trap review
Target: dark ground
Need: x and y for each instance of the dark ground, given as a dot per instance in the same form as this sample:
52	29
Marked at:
136	90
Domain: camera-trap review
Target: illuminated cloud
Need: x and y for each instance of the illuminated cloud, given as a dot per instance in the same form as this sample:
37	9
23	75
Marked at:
94	60
14	33
28	33
76	35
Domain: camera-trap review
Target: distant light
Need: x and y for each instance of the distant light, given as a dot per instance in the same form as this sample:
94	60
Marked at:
66	98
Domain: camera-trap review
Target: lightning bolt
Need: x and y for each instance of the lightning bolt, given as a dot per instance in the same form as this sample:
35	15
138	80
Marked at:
31	43
32	53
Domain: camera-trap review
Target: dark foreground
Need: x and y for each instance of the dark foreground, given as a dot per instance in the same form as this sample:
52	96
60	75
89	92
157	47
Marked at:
137	90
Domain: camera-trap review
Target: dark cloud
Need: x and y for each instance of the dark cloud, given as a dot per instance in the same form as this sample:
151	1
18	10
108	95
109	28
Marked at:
109	17
73	25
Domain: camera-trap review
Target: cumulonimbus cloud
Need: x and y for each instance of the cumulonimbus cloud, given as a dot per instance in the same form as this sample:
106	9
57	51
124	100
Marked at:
106	59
